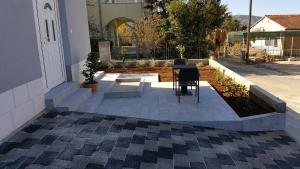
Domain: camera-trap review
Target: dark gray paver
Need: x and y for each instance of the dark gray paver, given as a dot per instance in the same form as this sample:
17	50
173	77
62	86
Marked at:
91	141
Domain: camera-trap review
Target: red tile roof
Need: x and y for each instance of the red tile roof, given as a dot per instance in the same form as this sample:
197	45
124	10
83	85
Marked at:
290	22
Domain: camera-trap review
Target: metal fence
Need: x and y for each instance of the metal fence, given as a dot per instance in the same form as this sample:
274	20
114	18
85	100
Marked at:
287	53
160	53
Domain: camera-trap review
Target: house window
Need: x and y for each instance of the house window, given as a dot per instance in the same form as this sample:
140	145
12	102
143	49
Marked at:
268	42
271	42
275	43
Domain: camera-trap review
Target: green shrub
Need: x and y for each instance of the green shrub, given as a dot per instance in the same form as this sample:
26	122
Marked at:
238	92
181	50
219	75
91	67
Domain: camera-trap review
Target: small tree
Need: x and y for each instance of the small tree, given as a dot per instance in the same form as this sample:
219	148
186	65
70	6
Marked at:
181	50
191	21
123	51
157	6
91	67
232	24
149	31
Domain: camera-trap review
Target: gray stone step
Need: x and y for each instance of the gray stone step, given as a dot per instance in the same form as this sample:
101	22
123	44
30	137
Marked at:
74	101
99	75
91	104
60	93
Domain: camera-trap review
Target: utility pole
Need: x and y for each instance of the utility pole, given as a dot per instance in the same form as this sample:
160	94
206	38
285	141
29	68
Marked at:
248	33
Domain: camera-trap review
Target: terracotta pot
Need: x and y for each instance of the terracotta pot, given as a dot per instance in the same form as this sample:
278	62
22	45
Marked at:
92	86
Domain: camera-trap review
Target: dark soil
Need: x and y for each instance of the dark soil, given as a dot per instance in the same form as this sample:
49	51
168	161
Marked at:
254	106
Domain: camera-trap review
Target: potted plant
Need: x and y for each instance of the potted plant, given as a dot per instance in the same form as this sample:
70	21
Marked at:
91	67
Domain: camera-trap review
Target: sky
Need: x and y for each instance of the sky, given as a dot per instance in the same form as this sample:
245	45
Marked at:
263	7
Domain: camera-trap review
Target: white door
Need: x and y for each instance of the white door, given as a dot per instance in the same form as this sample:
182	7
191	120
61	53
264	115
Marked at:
50	38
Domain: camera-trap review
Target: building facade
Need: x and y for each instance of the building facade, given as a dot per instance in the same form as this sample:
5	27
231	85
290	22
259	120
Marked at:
278	45
43	43
105	16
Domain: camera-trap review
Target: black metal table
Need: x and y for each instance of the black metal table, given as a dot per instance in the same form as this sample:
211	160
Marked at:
184	89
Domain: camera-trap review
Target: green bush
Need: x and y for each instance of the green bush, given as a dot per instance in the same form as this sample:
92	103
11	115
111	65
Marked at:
91	67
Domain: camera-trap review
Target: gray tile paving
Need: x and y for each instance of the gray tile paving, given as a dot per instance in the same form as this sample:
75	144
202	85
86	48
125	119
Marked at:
159	103
90	141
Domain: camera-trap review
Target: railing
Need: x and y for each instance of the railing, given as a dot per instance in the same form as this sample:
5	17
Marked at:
287	53
292	53
159	53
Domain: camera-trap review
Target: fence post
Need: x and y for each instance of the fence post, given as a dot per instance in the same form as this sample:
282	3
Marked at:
281	51
167	52
292	45
104	52
137	51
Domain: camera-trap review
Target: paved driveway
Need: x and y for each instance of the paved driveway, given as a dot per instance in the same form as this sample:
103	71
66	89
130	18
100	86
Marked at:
281	79
90	141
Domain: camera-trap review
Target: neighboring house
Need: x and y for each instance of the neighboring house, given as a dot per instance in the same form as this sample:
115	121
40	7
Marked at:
43	43
105	16
278	45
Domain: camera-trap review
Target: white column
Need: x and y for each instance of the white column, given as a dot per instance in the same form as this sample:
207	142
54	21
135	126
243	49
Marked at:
292	46
104	52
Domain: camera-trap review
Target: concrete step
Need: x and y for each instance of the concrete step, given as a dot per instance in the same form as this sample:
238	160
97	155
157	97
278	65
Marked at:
60	93
91	104
74	101
99	75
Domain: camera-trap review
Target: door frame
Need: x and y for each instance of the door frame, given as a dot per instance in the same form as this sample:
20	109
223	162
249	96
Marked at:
40	48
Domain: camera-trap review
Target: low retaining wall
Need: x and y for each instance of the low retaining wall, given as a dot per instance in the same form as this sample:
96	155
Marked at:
107	61
229	73
275	102
153	63
265	122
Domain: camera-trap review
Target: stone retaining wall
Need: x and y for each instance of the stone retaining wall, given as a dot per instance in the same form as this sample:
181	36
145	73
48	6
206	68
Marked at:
153	63
275	102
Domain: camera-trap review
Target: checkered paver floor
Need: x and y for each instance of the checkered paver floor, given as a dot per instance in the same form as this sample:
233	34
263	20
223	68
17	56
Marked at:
78	140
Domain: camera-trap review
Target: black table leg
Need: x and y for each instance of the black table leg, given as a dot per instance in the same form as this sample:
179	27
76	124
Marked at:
184	90
173	79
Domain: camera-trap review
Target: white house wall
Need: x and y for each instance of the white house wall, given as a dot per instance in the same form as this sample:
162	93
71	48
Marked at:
133	11
261	44
94	18
19	105
75	35
19	56
21	88
267	25
21	85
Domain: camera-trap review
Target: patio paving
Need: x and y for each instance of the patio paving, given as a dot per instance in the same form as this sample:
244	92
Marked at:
86	140
158	102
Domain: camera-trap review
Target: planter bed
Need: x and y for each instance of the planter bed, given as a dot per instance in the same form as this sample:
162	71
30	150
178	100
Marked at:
207	73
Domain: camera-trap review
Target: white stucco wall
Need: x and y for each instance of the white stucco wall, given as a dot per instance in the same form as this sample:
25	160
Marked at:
75	34
21	87
267	25
19	57
132	11
19	105
94	18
